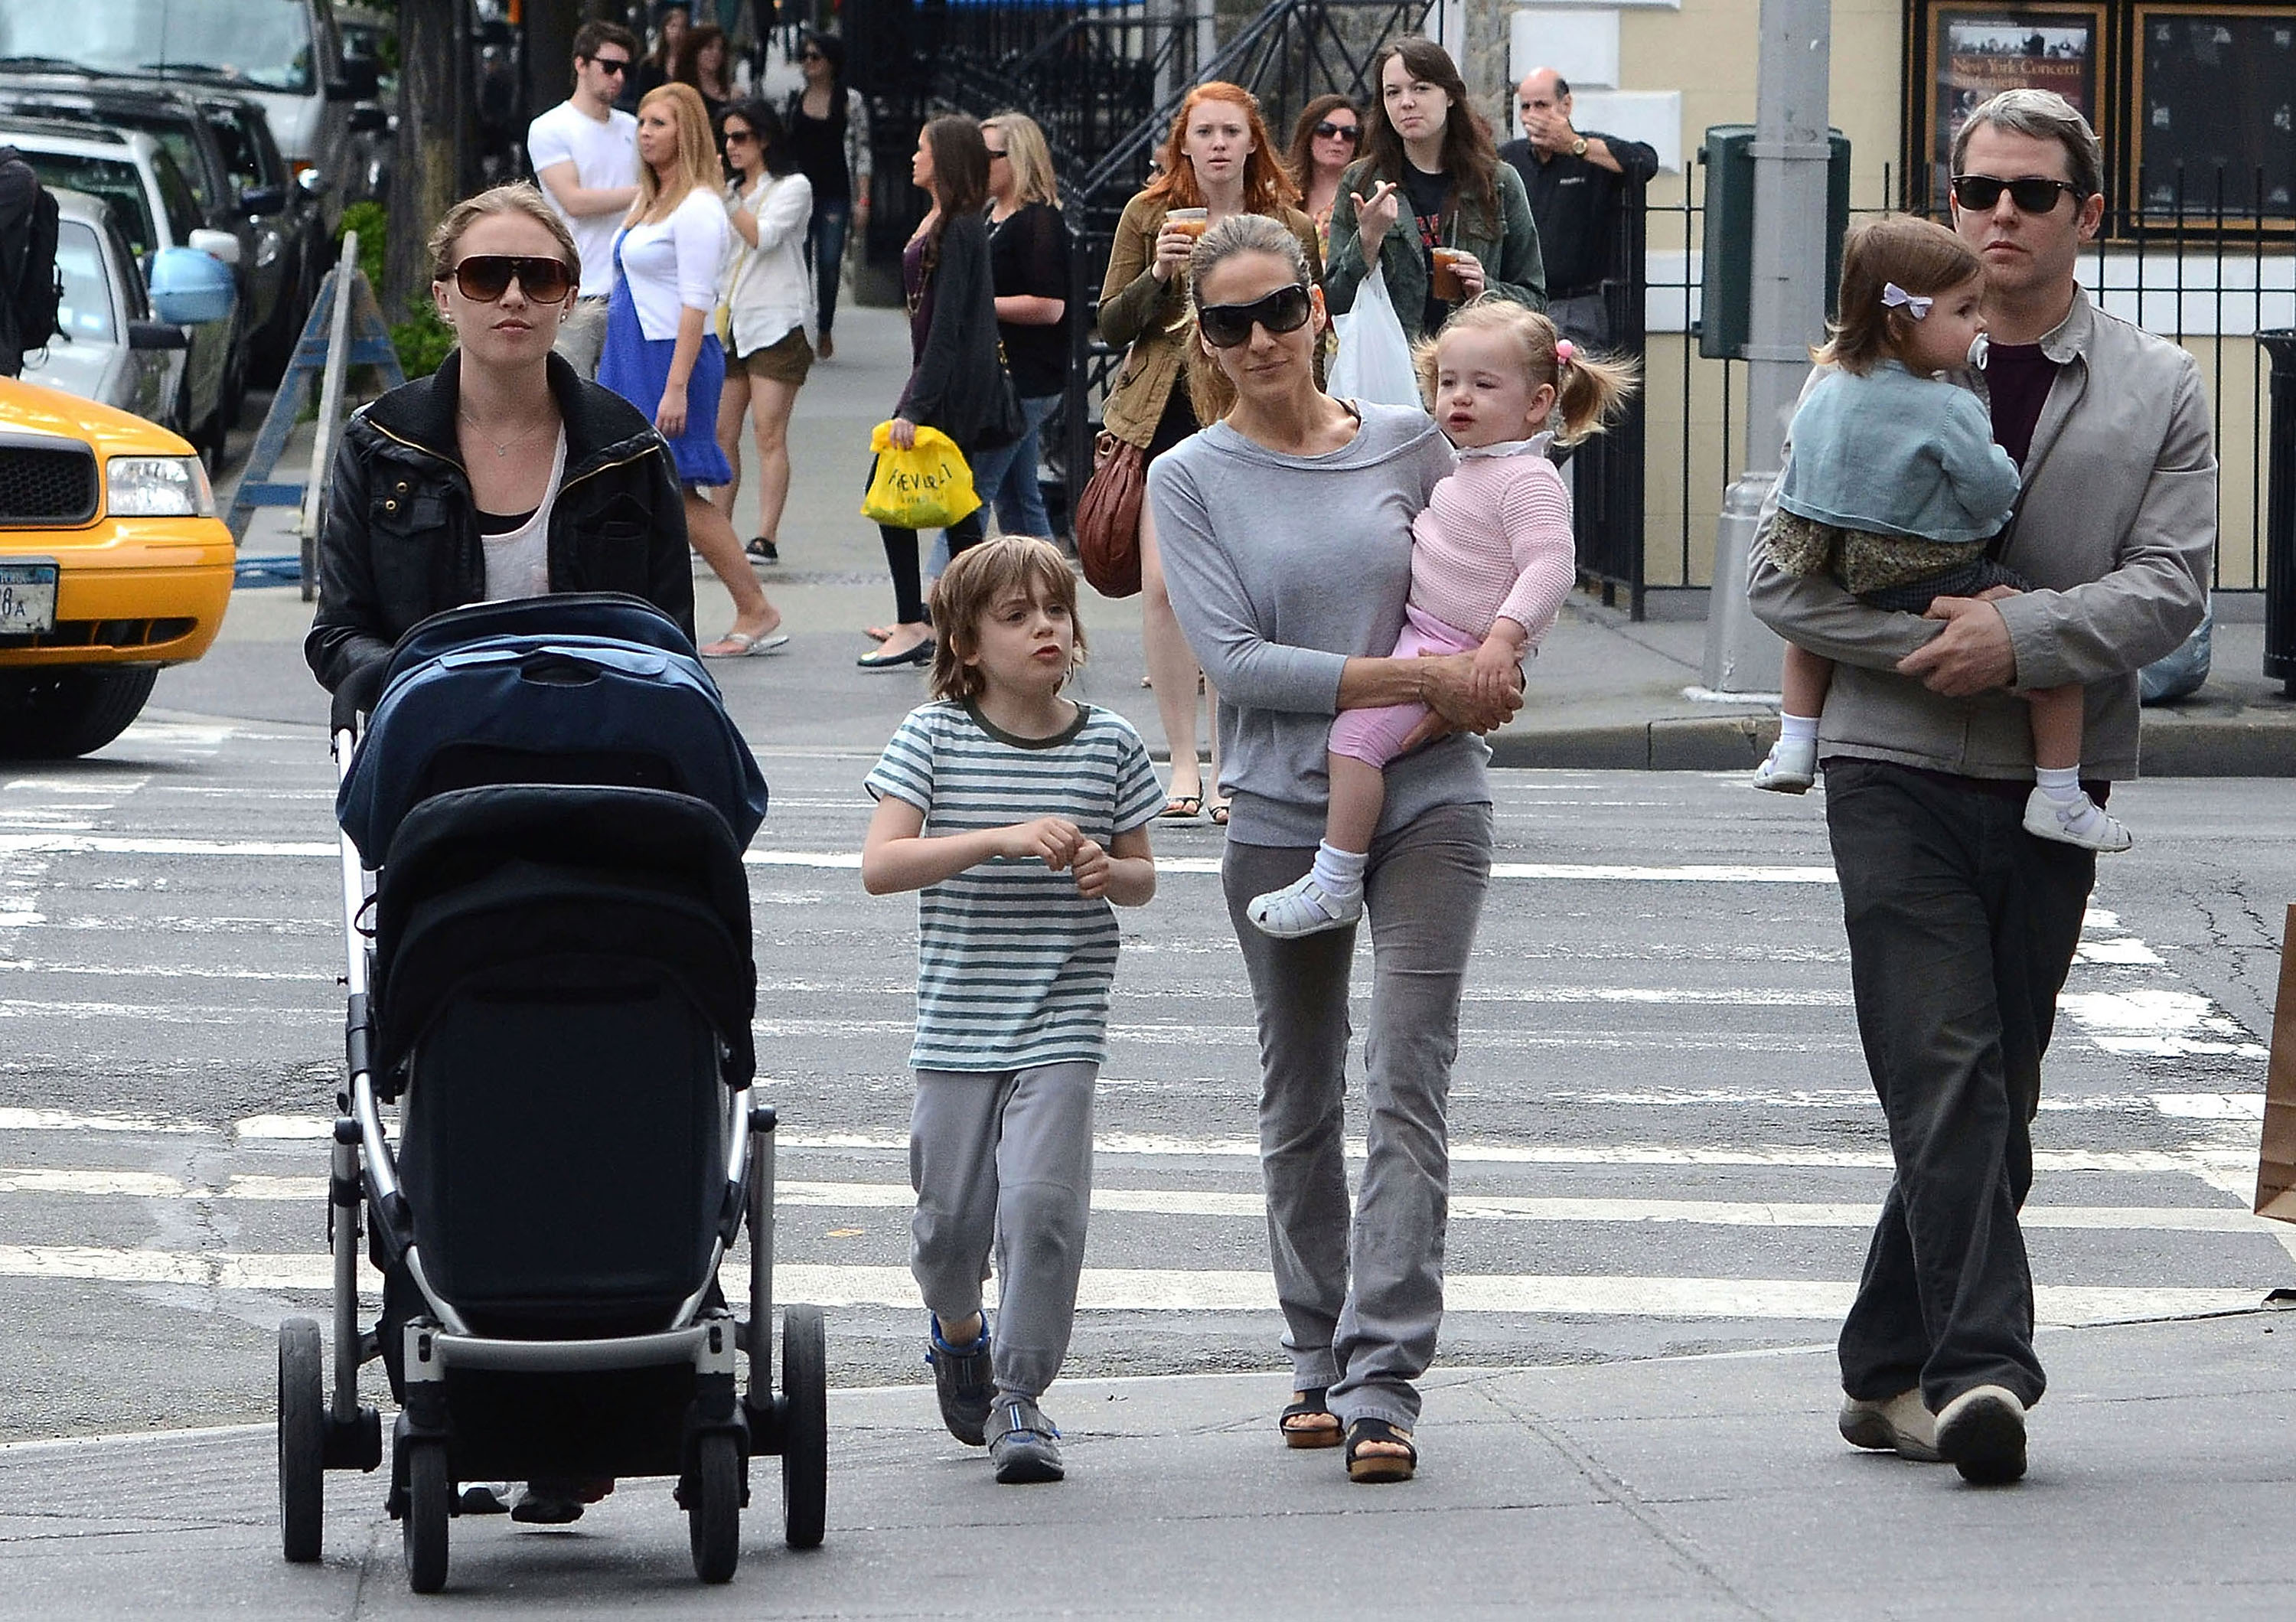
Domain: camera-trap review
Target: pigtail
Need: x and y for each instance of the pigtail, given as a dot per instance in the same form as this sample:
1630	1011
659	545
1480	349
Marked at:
1592	391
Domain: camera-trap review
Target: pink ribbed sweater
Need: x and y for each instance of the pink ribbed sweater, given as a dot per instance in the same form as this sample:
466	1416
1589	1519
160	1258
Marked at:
1495	539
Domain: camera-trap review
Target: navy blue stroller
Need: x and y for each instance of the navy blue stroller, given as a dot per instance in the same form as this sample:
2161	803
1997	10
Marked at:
543	828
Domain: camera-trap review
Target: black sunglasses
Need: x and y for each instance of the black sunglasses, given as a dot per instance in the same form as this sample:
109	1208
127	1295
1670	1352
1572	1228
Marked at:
2032	194
1348	133
610	64
1227	325
486	276
740	137
811	56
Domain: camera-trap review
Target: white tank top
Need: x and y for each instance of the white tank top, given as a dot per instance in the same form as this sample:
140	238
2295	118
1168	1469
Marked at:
518	561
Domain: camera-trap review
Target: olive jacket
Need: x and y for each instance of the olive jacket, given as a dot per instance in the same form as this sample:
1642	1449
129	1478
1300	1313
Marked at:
1150	319
401	541
1507	249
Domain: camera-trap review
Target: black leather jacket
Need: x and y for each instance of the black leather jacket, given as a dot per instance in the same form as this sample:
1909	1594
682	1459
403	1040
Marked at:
401	541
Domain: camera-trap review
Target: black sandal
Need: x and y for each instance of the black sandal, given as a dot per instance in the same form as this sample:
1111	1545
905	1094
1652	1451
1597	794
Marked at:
1311	1405
1371	1467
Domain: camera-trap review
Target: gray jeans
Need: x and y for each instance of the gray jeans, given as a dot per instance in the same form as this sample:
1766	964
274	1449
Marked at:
1002	1160
1367	1339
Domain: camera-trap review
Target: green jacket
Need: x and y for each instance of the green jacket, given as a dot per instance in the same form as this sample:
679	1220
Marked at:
1512	267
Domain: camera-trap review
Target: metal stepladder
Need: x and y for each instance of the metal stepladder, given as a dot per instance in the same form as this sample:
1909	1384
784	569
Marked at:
339	333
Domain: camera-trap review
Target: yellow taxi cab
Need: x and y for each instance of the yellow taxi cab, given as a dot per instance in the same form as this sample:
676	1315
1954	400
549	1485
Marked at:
112	564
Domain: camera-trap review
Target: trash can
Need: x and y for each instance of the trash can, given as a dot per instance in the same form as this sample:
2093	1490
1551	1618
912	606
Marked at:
2280	514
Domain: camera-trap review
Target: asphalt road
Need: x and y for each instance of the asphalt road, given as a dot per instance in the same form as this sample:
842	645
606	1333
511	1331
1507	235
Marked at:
1663	1139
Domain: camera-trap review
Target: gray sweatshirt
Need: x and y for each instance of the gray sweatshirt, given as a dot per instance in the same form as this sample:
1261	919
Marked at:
1280	569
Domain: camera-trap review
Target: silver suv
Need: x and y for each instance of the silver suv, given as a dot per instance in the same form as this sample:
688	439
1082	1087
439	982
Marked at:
153	207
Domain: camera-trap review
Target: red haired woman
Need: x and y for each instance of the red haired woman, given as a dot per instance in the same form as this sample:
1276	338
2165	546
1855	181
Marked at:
1218	159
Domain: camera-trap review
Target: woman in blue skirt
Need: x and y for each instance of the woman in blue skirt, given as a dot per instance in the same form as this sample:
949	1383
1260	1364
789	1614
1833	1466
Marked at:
660	354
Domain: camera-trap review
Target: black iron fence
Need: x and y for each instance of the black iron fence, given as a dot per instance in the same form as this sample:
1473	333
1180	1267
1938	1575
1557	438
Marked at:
2201	273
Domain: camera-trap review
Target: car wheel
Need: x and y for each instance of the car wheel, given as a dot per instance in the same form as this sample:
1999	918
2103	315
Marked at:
62	714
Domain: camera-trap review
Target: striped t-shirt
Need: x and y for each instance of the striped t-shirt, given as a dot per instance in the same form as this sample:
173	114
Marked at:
1013	967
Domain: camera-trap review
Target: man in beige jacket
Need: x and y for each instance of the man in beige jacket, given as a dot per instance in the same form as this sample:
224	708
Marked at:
1961	925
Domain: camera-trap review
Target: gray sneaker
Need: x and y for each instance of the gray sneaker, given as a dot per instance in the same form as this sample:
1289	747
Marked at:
964	1381
1025	1445
1982	1432
1899	1425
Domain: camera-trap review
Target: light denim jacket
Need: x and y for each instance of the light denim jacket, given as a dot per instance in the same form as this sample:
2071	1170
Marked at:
1898	454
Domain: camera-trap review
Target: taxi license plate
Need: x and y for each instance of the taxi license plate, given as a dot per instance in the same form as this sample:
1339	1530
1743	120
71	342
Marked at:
28	599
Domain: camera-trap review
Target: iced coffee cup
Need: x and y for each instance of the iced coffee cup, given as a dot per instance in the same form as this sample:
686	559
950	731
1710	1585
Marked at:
1193	221
1444	281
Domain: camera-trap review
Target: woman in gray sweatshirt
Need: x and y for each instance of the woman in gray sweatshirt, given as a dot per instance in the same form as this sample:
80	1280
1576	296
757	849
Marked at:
1285	528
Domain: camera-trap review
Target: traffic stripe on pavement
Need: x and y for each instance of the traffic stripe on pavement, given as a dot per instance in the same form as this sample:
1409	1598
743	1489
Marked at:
1173	1290
97	1182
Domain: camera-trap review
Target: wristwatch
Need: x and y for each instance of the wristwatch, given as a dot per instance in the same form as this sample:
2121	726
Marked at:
1578	147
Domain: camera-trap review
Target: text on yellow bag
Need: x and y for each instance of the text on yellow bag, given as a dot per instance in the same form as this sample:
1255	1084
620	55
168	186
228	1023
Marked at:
927	486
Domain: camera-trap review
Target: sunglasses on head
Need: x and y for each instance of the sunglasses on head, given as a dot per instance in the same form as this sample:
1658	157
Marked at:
486	276
2032	194
610	64
1345	132
1227	325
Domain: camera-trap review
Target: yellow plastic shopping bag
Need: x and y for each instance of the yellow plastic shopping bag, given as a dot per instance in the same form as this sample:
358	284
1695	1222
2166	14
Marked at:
927	486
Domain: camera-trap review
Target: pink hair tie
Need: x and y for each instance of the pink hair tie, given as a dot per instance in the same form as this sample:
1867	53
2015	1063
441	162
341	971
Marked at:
1564	350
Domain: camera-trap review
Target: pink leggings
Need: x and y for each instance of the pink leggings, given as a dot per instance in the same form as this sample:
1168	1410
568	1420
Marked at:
1375	736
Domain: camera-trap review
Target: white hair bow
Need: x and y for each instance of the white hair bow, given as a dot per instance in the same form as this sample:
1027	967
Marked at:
1916	305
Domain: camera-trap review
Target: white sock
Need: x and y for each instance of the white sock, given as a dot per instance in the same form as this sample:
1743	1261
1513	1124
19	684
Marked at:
1339	872
1796	729
2060	783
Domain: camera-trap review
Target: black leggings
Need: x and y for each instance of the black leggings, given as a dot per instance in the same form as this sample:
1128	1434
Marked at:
901	563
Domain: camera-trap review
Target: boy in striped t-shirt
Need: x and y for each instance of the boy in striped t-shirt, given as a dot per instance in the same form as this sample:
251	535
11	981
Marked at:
1020	816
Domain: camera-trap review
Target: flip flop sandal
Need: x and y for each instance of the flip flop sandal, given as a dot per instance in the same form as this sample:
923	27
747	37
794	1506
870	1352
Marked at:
740	644
1311	1406
1376	1467
1186	807
1220	814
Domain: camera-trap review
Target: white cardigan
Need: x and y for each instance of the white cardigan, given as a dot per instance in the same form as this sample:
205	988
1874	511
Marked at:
672	266
766	288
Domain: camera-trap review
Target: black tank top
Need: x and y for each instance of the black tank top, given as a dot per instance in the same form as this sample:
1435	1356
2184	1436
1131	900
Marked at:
818	145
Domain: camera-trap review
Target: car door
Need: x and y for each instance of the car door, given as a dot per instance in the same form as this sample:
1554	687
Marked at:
158	374
283	214
213	342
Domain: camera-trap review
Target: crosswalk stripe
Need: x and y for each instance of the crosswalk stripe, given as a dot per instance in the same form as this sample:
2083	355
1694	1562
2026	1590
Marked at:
1171	1289
62	843
81	1181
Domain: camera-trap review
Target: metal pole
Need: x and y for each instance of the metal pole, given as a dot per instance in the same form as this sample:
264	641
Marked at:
1787	313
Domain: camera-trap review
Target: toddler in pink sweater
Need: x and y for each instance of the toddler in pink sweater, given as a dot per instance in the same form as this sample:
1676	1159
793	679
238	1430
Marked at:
1491	561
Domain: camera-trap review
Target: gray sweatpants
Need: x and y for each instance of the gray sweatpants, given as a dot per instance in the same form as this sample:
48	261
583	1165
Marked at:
1365	1340
1002	1160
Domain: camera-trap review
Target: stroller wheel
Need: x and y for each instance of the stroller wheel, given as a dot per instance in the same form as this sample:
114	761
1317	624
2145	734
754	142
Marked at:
713	1514
805	1427
424	1523
302	1441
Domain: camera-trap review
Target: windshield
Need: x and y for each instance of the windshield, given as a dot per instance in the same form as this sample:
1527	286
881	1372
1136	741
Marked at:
85	311
112	179
265	43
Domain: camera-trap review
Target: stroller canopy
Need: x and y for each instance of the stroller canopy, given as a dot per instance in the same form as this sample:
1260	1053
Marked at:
595	689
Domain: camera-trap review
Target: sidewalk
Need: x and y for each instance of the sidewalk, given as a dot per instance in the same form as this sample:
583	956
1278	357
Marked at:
1678	1489
1604	692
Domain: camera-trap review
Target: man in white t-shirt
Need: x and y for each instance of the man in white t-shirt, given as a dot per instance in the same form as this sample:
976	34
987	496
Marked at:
586	154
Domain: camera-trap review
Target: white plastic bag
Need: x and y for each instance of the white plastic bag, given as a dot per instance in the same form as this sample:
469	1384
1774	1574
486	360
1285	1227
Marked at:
1375	359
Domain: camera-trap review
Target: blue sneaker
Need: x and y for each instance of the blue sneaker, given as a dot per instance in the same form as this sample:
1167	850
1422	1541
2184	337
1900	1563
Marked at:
964	1383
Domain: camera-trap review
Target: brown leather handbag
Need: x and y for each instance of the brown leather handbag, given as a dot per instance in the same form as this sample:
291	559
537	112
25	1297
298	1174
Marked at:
1107	518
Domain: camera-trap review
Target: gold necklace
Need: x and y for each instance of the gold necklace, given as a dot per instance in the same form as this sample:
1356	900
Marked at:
502	446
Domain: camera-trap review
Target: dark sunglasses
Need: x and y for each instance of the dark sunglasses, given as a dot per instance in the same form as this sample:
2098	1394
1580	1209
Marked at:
995	153
1227	325
2032	194
1348	133
486	276
610	64
811	56
740	136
